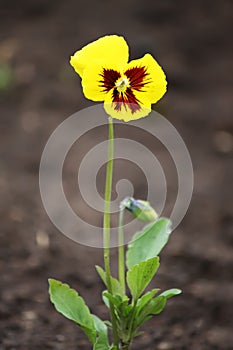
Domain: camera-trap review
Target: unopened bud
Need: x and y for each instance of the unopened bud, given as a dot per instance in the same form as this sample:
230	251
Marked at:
140	209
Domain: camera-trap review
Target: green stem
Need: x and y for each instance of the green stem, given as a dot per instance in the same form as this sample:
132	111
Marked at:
121	250
132	320
107	226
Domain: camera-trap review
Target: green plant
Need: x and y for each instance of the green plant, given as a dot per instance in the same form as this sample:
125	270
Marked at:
128	310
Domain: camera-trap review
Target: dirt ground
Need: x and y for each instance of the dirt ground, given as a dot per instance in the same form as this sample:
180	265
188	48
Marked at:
38	90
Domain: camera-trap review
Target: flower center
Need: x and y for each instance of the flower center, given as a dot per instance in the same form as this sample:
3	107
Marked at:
122	84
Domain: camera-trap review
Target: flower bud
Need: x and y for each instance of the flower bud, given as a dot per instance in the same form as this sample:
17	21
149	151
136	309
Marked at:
140	209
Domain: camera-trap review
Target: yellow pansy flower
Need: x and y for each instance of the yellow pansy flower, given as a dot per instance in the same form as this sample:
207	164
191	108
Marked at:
127	89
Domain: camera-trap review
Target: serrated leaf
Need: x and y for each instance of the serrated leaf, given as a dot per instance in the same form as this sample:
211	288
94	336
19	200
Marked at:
171	293
72	306
149	242
116	286
140	275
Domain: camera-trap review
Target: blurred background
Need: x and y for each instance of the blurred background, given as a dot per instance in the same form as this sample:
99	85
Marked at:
38	90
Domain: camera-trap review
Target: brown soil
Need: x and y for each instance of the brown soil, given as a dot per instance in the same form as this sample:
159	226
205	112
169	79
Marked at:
192	41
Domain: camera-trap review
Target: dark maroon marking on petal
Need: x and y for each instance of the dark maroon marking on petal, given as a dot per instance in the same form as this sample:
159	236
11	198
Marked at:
126	99
138	77
117	99
132	101
110	76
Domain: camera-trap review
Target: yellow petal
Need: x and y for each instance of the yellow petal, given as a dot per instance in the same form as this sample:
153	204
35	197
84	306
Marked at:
111	49
153	86
126	111
98	79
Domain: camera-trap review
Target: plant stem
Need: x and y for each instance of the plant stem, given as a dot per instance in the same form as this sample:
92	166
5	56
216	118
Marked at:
121	250
108	190
132	320
107	225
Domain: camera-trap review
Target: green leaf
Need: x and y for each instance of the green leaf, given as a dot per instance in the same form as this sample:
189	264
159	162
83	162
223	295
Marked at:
147	306
140	275
121	304
149	242
71	305
115	299
171	293
116	286
100	326
154	307
102	342
125	309
145	299
105	300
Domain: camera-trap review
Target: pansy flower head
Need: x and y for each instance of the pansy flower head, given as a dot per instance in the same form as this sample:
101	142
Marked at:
127	88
